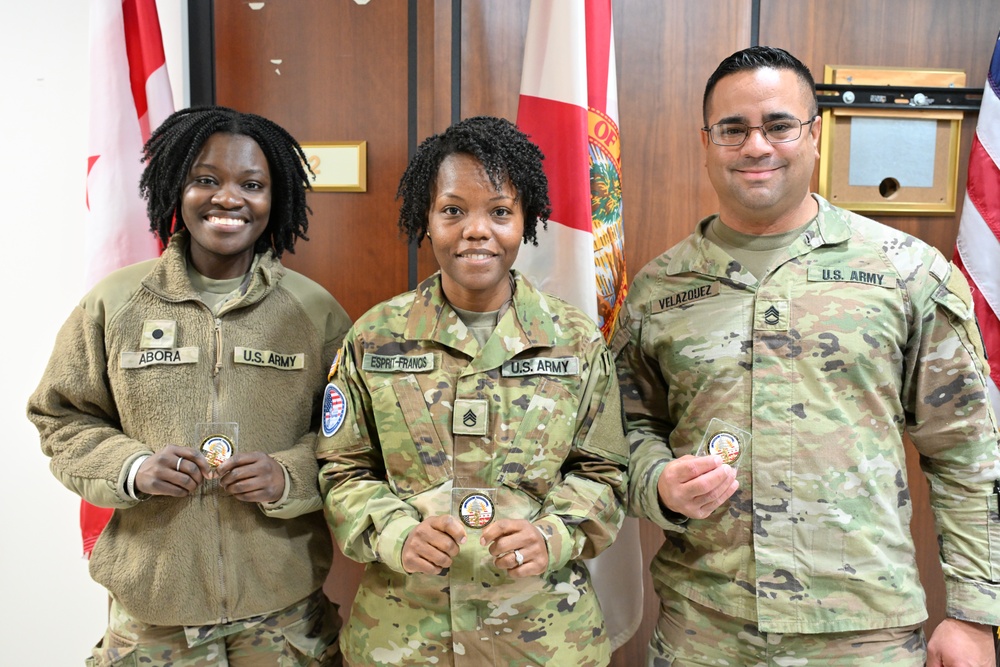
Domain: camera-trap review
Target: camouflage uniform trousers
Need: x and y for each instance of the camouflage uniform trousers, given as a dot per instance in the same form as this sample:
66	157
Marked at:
304	634
690	635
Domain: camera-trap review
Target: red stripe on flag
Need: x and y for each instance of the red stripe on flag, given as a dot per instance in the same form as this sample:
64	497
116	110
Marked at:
984	186
93	519
598	53
144	47
91	161
560	130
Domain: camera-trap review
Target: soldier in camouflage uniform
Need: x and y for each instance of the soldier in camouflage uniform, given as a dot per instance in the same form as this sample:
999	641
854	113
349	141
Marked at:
815	337
473	438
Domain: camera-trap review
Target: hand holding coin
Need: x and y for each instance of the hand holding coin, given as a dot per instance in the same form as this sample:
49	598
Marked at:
517	546
433	544
253	477
173	471
696	486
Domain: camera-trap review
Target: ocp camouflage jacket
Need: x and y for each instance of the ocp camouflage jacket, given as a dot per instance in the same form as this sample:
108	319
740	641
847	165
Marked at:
859	334
548	444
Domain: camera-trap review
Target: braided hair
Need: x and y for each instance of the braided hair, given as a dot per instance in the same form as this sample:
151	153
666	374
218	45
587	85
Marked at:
177	142
505	152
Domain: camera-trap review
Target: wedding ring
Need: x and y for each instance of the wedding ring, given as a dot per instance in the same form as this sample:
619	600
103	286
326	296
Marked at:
180	459
518	557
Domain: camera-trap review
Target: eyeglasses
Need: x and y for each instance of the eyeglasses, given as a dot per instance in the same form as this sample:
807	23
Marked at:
778	131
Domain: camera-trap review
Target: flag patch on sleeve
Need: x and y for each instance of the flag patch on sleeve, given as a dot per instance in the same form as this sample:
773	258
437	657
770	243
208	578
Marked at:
334	409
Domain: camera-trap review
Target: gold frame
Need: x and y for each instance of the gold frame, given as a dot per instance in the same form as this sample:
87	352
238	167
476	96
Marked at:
349	160
942	196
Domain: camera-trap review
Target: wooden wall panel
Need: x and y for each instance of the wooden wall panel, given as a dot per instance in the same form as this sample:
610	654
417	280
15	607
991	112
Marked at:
492	55
666	52
958	34
343	76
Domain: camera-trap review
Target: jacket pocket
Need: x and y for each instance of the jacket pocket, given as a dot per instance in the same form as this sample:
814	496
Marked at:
414	455
543	441
113	651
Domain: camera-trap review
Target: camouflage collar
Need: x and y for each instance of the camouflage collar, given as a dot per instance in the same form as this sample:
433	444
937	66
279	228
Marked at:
527	323
697	255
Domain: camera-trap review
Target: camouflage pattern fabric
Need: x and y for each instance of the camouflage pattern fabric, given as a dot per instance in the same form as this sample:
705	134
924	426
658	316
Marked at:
552	450
301	635
689	635
860	333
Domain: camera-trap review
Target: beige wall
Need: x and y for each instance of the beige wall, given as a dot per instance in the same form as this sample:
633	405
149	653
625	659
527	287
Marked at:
51	611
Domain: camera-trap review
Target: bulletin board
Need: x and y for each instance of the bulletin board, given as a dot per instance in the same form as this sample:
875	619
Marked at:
895	159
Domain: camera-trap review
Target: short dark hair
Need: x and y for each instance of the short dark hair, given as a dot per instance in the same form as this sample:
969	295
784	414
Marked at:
754	58
176	143
505	152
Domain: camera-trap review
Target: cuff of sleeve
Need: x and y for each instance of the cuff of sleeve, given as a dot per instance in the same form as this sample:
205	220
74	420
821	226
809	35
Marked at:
974	601
558	541
126	479
389	547
268	508
654	508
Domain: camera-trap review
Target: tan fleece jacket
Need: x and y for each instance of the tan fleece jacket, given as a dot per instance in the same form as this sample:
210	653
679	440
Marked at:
110	394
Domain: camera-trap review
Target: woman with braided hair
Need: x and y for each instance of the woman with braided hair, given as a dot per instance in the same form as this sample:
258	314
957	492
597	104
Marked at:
183	393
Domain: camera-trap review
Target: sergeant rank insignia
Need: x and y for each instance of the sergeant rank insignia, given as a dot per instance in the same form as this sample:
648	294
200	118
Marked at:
476	510
217	449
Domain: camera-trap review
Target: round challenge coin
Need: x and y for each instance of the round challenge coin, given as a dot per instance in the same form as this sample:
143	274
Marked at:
725	445
476	510
217	449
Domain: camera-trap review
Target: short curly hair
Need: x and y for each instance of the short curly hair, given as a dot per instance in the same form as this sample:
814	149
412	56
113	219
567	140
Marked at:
176	143
505	152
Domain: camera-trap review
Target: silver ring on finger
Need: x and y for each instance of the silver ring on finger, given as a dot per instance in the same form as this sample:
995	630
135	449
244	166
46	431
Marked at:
518	558
180	460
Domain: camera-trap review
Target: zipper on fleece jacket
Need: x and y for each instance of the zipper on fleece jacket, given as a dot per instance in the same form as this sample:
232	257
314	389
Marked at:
216	376
218	351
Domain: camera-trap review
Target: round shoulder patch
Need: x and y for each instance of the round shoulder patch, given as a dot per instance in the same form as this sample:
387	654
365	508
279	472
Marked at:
334	409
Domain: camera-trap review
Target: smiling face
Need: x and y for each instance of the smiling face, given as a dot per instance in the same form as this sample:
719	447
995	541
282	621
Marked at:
475	232
763	188
226	204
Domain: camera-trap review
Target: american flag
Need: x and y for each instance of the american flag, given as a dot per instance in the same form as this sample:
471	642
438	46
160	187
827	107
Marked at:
977	250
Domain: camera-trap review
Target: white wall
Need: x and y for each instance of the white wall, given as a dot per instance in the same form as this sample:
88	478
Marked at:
51	613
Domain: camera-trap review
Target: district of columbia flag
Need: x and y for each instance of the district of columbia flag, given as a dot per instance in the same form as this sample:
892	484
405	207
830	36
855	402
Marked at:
569	106
129	96
977	249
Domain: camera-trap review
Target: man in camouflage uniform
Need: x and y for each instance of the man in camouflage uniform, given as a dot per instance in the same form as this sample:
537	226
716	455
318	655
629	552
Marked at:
473	443
813	337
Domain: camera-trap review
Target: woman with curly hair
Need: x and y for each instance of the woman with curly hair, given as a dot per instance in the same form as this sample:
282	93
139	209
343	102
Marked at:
472	433
183	392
